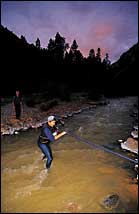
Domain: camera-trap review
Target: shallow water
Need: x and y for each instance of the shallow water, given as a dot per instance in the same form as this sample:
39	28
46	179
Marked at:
81	177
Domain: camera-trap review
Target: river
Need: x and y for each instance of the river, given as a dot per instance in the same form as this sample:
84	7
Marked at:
81	177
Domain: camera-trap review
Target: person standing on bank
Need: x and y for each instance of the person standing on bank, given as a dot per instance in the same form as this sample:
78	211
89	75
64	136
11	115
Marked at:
17	104
49	133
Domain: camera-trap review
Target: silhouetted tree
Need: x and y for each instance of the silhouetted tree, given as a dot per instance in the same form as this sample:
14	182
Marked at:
38	43
23	39
98	55
50	51
59	47
106	61
59	40
74	46
78	57
51	45
74	54
66	47
91	58
92	54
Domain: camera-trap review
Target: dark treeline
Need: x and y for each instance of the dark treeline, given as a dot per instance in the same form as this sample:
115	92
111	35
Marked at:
61	68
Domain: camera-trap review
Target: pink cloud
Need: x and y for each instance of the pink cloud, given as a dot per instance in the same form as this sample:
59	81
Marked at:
103	30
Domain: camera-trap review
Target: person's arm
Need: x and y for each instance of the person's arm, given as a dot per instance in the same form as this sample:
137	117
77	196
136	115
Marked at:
60	135
50	135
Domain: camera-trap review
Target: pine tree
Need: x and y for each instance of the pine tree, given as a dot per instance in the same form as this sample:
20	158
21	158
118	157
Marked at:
98	55
38	44
51	45
91	58
74	46
92	54
106	60
23	39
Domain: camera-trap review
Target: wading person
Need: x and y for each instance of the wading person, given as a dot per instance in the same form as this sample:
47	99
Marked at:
17	104
49	133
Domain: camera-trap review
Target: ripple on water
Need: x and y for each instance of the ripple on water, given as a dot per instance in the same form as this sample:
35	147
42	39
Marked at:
36	185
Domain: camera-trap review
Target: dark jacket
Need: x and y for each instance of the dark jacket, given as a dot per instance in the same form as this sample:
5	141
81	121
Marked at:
47	134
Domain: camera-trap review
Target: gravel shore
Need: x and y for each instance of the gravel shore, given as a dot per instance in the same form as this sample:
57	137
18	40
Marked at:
34	117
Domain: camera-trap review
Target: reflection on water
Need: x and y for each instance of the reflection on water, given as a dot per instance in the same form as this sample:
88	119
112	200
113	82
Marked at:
81	178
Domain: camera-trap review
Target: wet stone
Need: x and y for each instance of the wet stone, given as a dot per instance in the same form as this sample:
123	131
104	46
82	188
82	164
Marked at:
111	201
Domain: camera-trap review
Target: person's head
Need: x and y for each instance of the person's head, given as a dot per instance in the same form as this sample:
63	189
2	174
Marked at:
51	121
17	93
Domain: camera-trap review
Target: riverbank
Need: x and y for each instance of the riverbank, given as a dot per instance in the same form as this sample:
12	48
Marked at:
36	116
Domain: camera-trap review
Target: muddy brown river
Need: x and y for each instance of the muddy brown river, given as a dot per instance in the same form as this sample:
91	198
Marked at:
81	177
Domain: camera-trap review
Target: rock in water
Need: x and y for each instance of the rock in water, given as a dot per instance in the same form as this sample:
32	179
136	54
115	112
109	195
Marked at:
73	207
111	201
80	129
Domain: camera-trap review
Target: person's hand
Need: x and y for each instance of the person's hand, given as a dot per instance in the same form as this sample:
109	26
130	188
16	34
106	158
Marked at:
64	132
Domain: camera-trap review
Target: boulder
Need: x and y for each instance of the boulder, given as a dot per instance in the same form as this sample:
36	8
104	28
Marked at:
134	134
131	145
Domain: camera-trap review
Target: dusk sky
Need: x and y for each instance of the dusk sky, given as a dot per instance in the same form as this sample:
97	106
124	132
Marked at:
110	25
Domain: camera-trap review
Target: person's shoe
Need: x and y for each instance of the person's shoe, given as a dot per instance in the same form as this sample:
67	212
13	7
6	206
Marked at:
43	157
49	166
